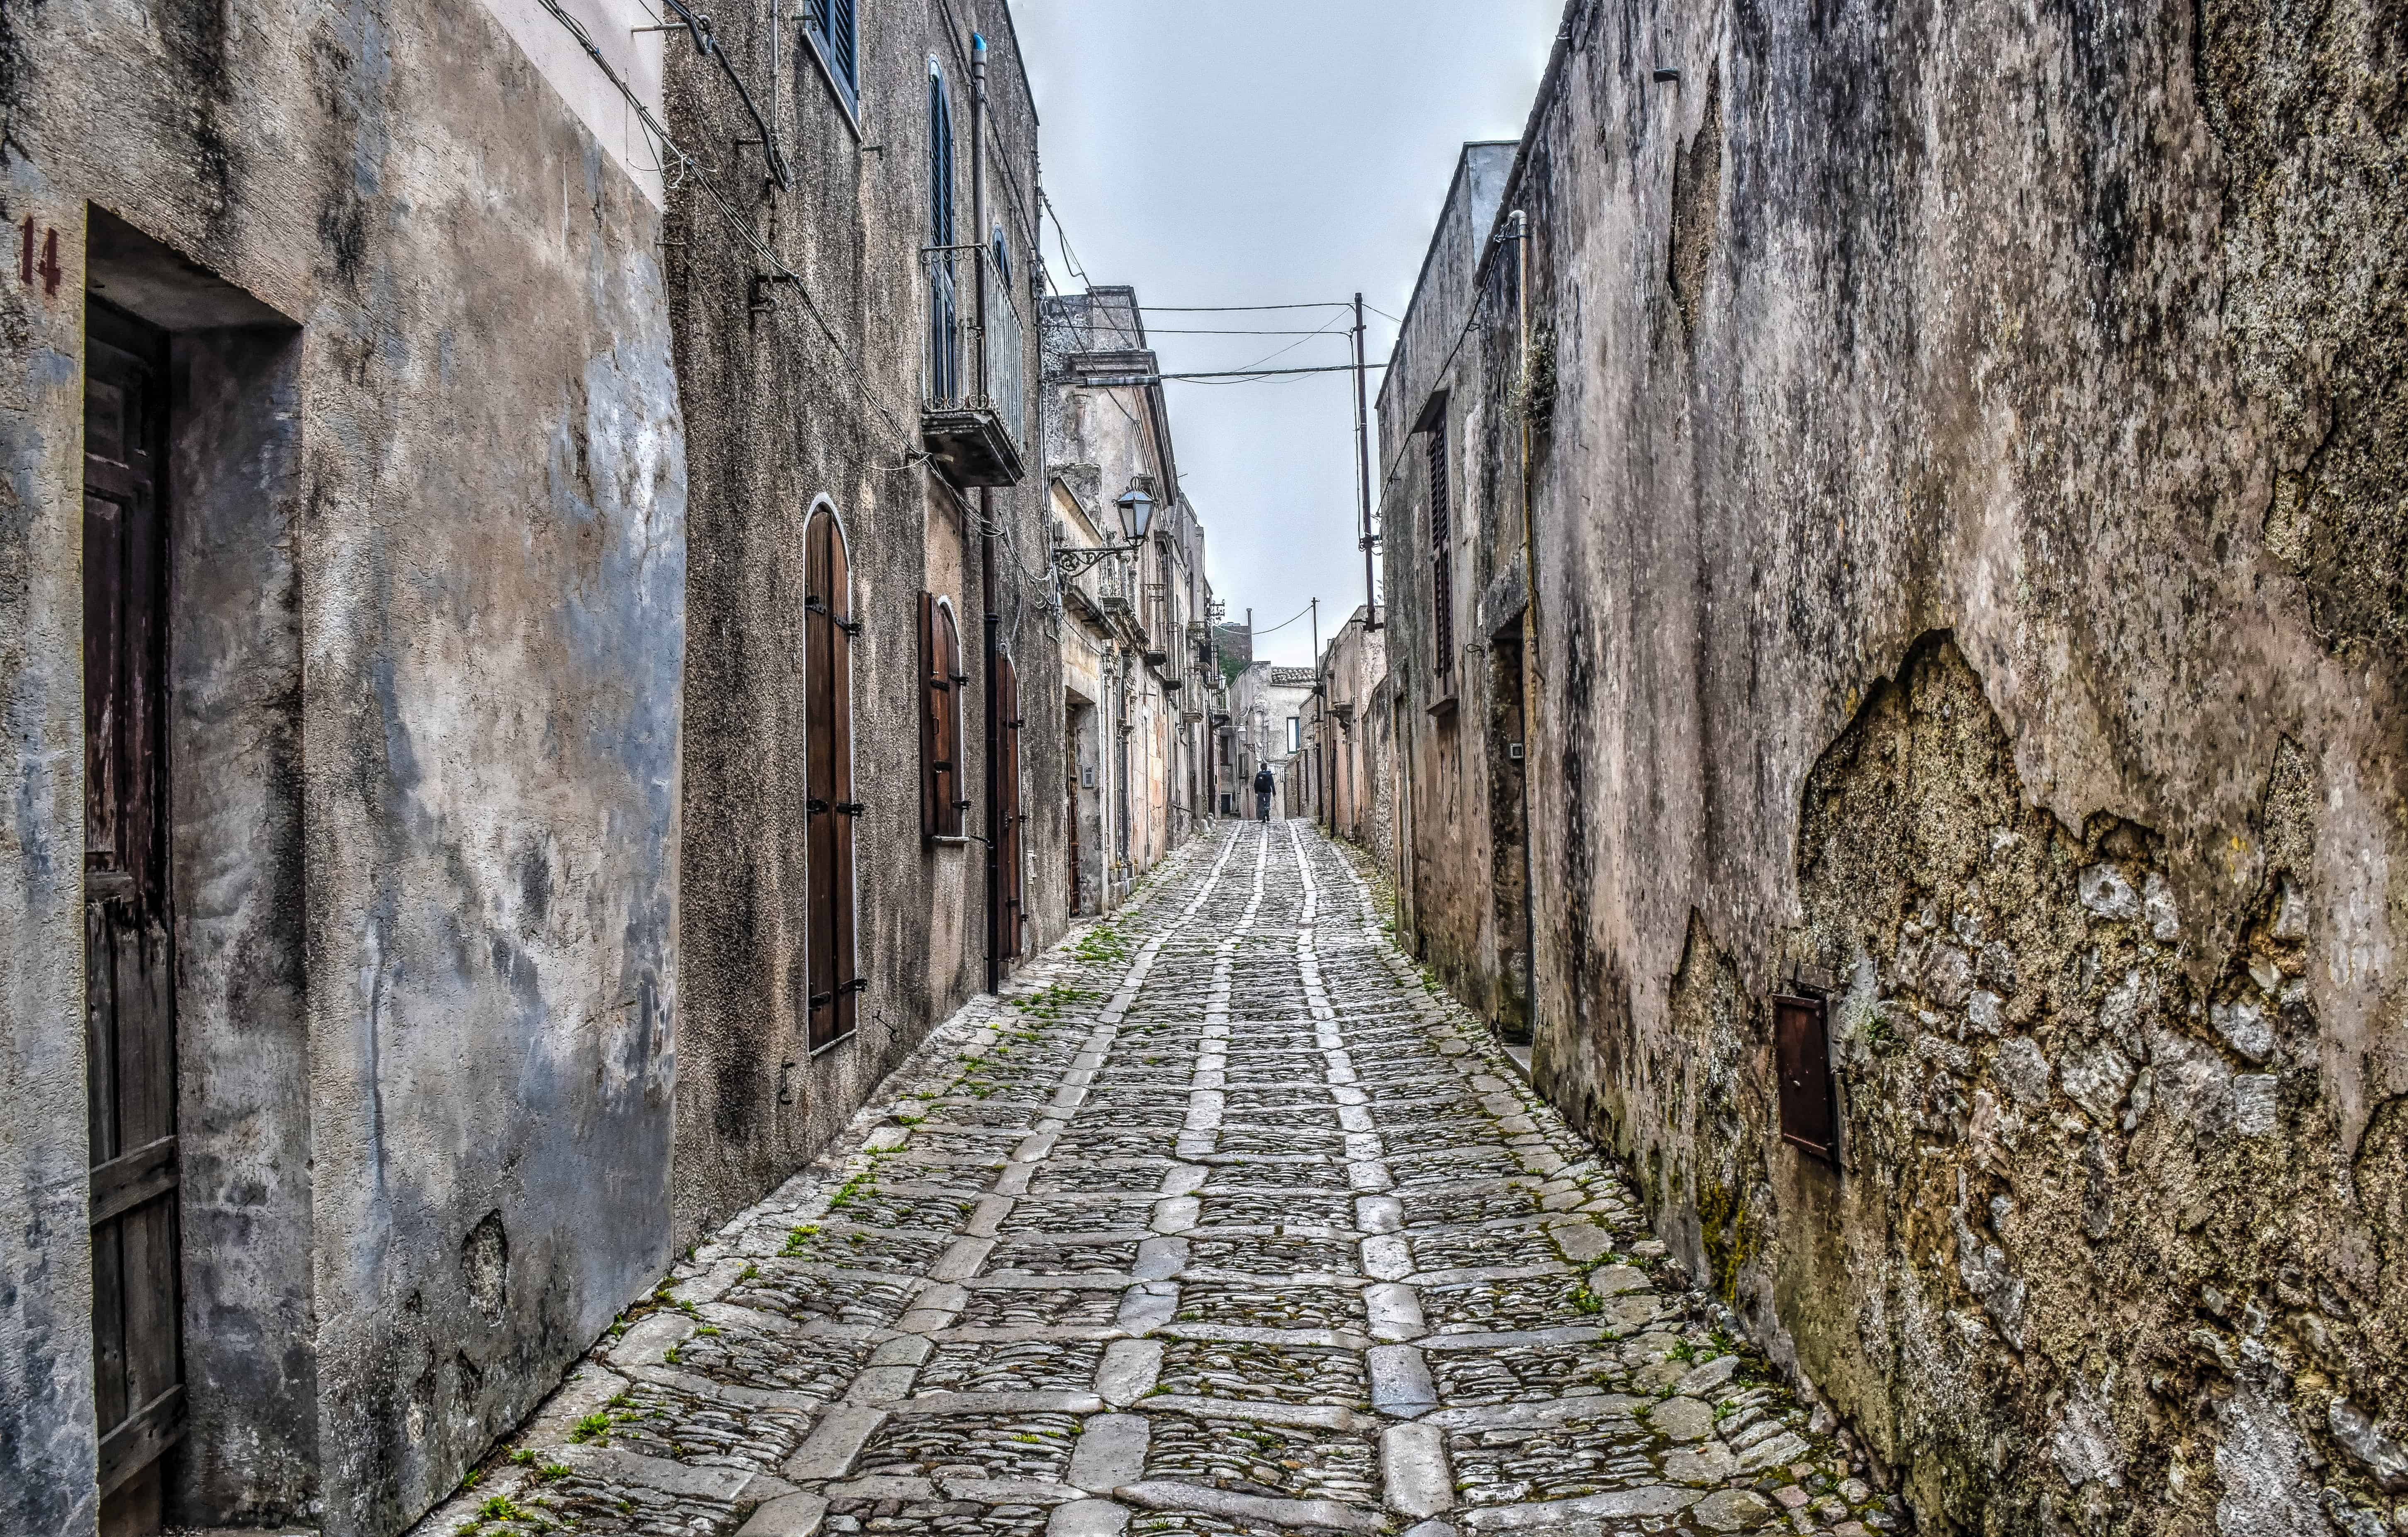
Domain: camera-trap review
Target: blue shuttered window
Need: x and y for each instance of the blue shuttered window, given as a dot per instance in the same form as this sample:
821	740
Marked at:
832	30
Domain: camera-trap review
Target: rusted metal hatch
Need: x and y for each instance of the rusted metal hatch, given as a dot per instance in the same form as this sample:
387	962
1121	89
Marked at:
1801	1048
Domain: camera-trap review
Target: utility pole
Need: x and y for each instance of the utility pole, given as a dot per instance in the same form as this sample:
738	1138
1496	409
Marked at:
1312	774
1363	470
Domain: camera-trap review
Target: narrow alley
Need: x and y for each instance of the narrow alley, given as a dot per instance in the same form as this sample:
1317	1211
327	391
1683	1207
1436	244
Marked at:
1061	768
1221	1221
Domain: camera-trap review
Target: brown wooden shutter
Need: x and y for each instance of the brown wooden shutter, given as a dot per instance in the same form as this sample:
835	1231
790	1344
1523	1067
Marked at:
952	780
929	728
841	872
828	690
1442	533
1802	1058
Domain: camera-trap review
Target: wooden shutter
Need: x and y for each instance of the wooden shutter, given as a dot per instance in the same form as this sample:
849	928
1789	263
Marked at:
1802	1056
844	44
1442	533
928	697
940	720
953	782
827	692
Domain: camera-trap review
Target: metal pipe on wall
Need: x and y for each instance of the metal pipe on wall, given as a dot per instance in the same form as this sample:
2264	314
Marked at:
986	530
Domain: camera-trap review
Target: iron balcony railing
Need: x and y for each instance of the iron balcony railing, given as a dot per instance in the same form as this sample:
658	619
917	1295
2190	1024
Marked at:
948	372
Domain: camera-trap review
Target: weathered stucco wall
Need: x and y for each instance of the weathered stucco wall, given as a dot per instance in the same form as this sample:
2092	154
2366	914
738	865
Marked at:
1441	384
1966	445
783	414
427	501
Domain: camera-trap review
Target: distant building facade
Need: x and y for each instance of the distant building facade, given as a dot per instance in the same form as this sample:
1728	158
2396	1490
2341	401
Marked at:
1270	709
1140	684
1356	782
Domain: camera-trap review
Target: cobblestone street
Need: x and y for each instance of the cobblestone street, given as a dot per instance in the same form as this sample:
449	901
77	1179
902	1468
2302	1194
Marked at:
1222	1222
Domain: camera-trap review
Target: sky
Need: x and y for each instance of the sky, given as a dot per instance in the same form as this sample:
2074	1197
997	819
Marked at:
1268	151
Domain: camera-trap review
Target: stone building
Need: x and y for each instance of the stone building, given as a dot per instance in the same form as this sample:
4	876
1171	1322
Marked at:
570	692
342	609
1933	482
1269	708
1355	785
1139	682
875	787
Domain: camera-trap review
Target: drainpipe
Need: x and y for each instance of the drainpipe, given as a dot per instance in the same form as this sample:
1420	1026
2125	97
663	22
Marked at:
1520	235
995	833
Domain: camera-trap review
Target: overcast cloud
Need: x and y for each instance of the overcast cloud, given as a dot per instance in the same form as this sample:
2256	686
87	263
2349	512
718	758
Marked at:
1268	151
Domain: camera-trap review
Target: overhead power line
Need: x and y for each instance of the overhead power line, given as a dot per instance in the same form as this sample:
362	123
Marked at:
1240	331
1118	379
736	223
1229	309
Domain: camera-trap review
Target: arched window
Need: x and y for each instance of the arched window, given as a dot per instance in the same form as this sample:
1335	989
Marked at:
941	679
829	629
944	304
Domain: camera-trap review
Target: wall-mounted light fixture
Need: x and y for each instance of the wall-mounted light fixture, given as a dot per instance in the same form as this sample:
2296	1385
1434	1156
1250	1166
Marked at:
1137	515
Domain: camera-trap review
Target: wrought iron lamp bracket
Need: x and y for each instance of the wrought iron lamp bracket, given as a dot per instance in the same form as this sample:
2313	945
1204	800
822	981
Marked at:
1071	561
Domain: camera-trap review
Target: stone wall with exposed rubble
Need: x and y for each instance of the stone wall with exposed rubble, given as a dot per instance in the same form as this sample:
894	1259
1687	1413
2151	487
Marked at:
1965	581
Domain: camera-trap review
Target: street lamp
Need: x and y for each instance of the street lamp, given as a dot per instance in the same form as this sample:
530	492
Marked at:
1137	515
1136	511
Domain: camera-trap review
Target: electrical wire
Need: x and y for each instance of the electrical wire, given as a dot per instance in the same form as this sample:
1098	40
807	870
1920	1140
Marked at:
1290	347
1172	331
1251	376
730	215
1231	310
1285	622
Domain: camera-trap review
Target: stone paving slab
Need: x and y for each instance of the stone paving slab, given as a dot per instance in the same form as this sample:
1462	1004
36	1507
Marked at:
1223	1220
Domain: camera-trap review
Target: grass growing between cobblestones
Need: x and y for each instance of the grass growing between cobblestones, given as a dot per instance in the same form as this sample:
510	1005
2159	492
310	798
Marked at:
1201	1206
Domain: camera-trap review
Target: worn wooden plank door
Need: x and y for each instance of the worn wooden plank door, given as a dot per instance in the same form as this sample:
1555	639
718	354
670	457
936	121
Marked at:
129	947
1070	828
1007	695
828	717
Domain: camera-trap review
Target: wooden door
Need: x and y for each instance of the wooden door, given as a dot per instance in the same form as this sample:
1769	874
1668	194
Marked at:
1007	700
129	946
1070	824
827	727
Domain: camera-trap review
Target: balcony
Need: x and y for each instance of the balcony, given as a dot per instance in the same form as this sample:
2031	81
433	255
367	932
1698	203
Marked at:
973	386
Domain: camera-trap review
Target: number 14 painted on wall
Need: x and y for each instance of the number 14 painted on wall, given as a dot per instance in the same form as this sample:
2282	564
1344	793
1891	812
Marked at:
47	269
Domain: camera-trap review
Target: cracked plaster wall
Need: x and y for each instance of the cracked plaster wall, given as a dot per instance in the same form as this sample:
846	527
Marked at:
429	635
1965	466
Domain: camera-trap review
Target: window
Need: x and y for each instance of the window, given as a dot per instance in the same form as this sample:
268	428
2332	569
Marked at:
941	800
831	964
944	303
1442	536
1294	733
830	26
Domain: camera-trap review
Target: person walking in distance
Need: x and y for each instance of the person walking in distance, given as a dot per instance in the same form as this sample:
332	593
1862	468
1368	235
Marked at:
1264	785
